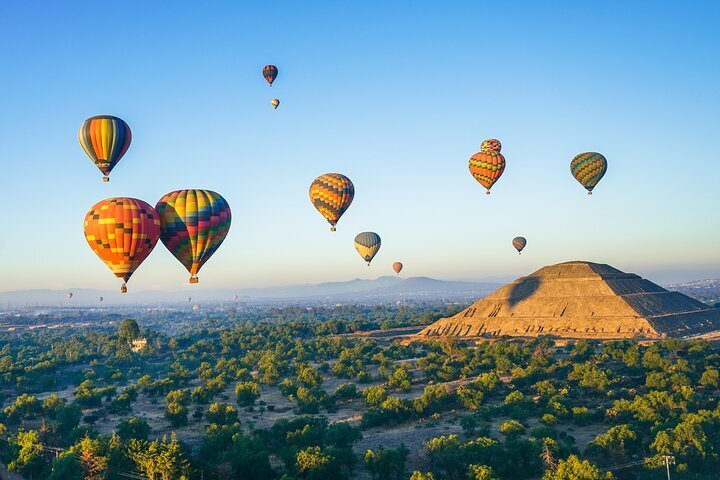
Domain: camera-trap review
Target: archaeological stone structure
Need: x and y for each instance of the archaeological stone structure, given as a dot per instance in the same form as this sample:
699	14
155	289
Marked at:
581	300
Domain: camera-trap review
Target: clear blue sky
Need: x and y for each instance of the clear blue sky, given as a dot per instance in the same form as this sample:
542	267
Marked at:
396	95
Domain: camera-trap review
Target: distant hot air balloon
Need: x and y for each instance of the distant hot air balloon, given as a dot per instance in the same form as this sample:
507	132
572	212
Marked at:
519	243
332	194
189	299
193	225
270	72
105	140
588	168
488	164
69	295
275	103
196	307
367	244
397	266
235	297
122	231
101	299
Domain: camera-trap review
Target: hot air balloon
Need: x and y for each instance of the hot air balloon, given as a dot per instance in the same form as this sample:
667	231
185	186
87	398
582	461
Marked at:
397	266
488	164
105	140
69	295
235	297
588	168
193	225
122	231
270	72
189	299
332	194
275	103
101	299
519	243
196	307
367	244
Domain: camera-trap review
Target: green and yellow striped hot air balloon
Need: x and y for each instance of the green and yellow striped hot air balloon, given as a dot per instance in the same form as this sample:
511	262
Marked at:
588	168
367	244
331	194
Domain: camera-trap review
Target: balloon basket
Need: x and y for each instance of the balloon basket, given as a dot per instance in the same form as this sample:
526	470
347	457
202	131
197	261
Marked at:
105	179
332	229
590	193
123	289
488	192
193	279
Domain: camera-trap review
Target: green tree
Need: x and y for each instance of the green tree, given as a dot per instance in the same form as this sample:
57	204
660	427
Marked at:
481	472
221	414
176	411
313	463
401	379
386	464
247	392
128	331
575	469
133	427
27	456
512	428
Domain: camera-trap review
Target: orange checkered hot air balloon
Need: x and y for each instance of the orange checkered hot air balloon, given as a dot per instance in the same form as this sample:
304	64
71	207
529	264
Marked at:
105	140
488	164
122	231
332	194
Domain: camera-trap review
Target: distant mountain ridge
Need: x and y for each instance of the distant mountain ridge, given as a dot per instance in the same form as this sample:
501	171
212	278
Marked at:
380	289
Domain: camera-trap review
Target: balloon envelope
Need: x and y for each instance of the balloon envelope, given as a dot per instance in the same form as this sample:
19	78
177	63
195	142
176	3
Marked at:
588	168
122	231
519	243
193	225
105	140
275	103
397	266
270	72
332	194
488	164
367	244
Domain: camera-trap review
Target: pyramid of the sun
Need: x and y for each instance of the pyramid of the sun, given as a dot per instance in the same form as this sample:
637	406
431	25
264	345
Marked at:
581	299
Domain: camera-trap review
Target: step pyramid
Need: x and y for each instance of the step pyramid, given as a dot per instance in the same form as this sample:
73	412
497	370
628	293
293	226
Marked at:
581	300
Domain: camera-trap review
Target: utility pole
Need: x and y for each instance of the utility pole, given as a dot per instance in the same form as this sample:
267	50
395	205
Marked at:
669	460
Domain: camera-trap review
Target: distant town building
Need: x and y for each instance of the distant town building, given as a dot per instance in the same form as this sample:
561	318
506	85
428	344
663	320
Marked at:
138	344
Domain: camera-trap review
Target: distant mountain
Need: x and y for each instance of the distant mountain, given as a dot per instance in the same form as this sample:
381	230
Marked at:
382	289
707	291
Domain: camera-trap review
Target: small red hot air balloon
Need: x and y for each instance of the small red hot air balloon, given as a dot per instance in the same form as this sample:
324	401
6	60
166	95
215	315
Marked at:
397	266
270	72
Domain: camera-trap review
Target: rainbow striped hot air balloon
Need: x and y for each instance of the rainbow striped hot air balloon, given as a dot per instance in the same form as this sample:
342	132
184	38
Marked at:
332	194
122	232
193	225
367	245
488	164
105	140
588	168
